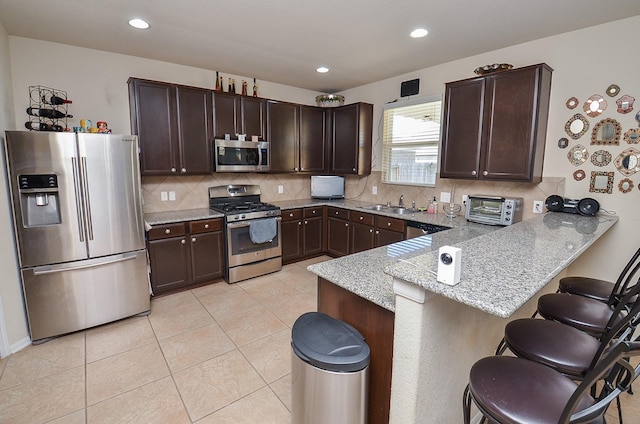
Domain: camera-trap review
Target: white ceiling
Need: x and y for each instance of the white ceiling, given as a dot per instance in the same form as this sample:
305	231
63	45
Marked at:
284	41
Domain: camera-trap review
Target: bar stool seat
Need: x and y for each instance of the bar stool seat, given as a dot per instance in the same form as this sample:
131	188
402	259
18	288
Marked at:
518	391
585	314
592	288
559	346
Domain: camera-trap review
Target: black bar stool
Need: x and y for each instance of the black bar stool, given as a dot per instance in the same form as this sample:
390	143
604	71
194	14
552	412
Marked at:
510	390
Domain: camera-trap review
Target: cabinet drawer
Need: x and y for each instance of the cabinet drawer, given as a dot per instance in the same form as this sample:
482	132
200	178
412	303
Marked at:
291	214
390	223
311	212
158	232
205	226
363	218
337	213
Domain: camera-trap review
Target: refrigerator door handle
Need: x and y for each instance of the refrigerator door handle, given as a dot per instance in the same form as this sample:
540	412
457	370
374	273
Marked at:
50	269
87	203
78	197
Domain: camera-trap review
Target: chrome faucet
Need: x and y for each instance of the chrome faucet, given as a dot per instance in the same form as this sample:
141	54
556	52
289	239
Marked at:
401	201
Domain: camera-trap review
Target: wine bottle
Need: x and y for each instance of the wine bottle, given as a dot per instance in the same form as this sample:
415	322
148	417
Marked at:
47	113
54	100
41	126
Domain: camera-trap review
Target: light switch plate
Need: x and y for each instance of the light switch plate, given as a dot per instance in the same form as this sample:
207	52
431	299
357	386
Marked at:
280	189
163	196
374	190
538	206
172	196
445	197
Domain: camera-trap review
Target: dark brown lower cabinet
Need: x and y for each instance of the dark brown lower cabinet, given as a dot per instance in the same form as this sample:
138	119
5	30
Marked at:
337	236
302	233
376	325
184	254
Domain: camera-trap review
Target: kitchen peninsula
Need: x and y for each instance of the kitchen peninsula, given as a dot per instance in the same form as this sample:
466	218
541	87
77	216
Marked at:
439	331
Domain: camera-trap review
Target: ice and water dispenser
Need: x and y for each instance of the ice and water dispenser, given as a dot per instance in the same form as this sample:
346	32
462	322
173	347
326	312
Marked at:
39	199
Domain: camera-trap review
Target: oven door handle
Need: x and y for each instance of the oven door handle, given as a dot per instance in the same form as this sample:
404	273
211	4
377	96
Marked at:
246	223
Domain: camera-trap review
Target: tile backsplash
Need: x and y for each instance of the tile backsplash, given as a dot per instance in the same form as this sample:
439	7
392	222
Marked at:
191	192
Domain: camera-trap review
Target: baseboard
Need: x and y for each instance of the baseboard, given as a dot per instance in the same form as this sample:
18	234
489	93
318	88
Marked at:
20	344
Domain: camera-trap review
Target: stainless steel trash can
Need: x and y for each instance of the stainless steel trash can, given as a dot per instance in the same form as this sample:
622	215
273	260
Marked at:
330	370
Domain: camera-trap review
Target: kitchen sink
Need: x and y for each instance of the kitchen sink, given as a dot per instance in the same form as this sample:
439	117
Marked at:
390	209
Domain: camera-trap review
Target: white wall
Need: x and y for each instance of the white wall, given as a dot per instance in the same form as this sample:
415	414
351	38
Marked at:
13	324
585	62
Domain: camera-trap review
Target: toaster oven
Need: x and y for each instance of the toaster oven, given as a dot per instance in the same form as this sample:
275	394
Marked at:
494	210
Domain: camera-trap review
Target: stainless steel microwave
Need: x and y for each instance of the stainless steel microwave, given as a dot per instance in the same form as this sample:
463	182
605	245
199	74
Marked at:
241	156
494	210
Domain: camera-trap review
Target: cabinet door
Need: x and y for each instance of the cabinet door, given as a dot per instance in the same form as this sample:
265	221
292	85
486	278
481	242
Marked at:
362	237
312	139
169	263
291	236
510	122
153	120
312	237
253	117
195	118
337	236
282	134
226	114
384	237
344	155
206	256
462	129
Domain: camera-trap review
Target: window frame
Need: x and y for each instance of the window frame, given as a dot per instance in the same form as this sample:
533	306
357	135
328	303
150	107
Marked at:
386	163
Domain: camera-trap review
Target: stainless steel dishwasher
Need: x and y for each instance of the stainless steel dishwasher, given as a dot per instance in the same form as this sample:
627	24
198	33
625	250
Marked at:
417	229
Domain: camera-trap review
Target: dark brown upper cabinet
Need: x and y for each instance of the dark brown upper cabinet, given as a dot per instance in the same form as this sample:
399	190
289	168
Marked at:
313	140
235	114
174	127
351	132
283	136
495	126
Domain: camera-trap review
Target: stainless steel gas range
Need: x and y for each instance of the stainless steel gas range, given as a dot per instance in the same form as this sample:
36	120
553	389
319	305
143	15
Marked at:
252	231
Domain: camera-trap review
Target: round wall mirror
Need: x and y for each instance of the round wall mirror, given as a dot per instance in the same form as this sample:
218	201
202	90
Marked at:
613	90
576	126
594	105
625	185
563	143
607	132
572	103
628	162
578	155
632	136
601	158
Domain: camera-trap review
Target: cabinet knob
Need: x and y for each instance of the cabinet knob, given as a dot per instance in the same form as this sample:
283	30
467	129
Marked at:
485	173
183	241
354	169
313	211
306	222
361	218
377	232
295	169
299	223
346	225
388	224
474	173
167	231
193	239
206	225
183	170
291	215
337	212
371	230
173	169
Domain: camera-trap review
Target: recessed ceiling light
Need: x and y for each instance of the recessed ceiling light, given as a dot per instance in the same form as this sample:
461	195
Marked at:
138	23
419	33
322	70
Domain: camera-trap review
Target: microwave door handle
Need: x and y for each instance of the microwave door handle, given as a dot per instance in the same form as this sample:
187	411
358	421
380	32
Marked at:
259	156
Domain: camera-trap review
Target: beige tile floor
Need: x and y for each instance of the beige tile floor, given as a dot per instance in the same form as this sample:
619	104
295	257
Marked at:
213	355
217	354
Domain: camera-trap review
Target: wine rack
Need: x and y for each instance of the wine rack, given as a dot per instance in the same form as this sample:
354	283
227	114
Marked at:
37	100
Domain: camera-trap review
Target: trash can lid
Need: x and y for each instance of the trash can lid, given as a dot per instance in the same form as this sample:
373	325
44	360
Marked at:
329	343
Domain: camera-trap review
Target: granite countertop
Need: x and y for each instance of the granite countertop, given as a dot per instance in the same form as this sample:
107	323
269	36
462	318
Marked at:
158	218
502	267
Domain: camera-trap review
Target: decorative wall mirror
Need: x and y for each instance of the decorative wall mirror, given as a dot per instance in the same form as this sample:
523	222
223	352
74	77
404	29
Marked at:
625	104
572	103
563	143
632	136
613	90
638	118
607	131
601	182
628	162
601	158
576	126
594	105
578	155
625	185
579	175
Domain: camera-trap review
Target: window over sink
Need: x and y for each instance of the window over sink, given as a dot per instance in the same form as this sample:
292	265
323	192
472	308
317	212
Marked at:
410	140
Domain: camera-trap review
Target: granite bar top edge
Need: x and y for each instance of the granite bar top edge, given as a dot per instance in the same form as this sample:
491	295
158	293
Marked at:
170	217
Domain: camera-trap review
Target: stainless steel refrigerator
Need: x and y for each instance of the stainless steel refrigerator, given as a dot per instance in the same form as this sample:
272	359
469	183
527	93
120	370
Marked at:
79	228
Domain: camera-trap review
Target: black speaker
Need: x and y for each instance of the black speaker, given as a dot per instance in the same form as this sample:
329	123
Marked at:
410	88
586	206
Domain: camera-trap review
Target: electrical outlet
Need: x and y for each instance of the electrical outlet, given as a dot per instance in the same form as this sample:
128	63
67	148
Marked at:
445	197
538	206
374	190
163	196
280	189
172	196
465	199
